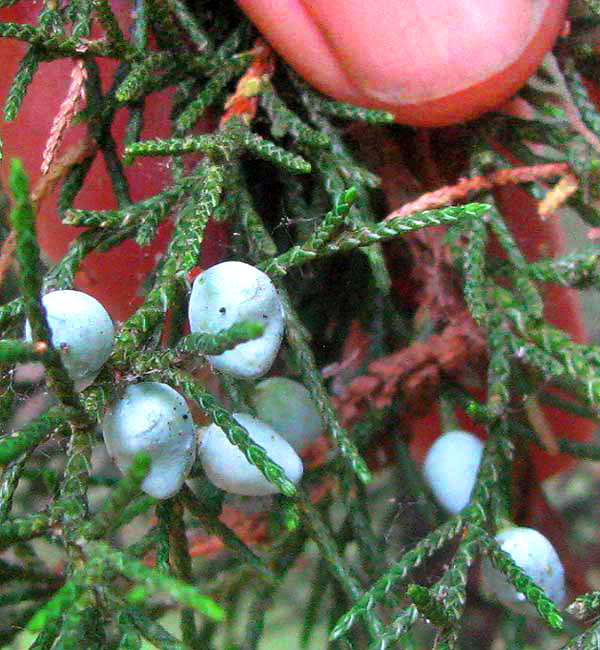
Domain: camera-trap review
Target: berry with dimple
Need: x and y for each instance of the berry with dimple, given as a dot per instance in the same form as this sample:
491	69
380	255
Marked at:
152	417
537	557
232	292
82	331
287	406
227	467
450	468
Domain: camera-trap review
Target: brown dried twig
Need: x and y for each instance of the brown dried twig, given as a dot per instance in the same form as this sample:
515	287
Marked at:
558	195
243	103
461	190
75	97
7	254
60	166
415	372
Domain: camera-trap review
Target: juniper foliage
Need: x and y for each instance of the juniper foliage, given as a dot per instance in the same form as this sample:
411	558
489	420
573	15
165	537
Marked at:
89	560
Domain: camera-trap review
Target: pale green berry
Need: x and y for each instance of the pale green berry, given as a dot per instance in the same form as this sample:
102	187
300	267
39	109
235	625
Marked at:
154	418
82	332
227	467
287	406
230	293
450	468
537	557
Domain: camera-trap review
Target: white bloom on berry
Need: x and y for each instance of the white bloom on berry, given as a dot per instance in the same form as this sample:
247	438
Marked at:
227	467
451	467
537	557
152	417
230	293
287	406
82	332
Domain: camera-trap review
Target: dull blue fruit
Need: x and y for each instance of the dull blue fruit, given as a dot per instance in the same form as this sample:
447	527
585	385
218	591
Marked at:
287	406
154	418
82	331
230	293
227	467
450	468
537	557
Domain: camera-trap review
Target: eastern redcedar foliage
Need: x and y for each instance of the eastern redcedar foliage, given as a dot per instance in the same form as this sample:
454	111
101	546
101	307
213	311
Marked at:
91	561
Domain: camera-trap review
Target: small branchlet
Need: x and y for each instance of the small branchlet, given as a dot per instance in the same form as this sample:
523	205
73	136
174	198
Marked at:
229	86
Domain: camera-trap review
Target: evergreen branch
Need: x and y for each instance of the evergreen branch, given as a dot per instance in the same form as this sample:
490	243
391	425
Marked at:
190	144
499	369
532	355
392	633
585	606
45	639
81	19
188	21
214	344
182	568
378	232
503	562
134	84
318	592
352	112
588	640
211	524
163	539
409	561
277	155
450	591
208	198
283	120
51	612
552	350
156	207
298	340
108	514
338	109
23	78
73	182
313	380
8	484
139	573
428	606
581	99
335	563
130	636
579	361
474	270
110	25
30	283
531	298
133	509
167	33
207	96
577	270
238	436
56	44
154	632
22	529
16	351
181	257
76	624
10	312
332	221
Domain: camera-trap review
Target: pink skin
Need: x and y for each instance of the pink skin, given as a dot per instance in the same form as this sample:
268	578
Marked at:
430	63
